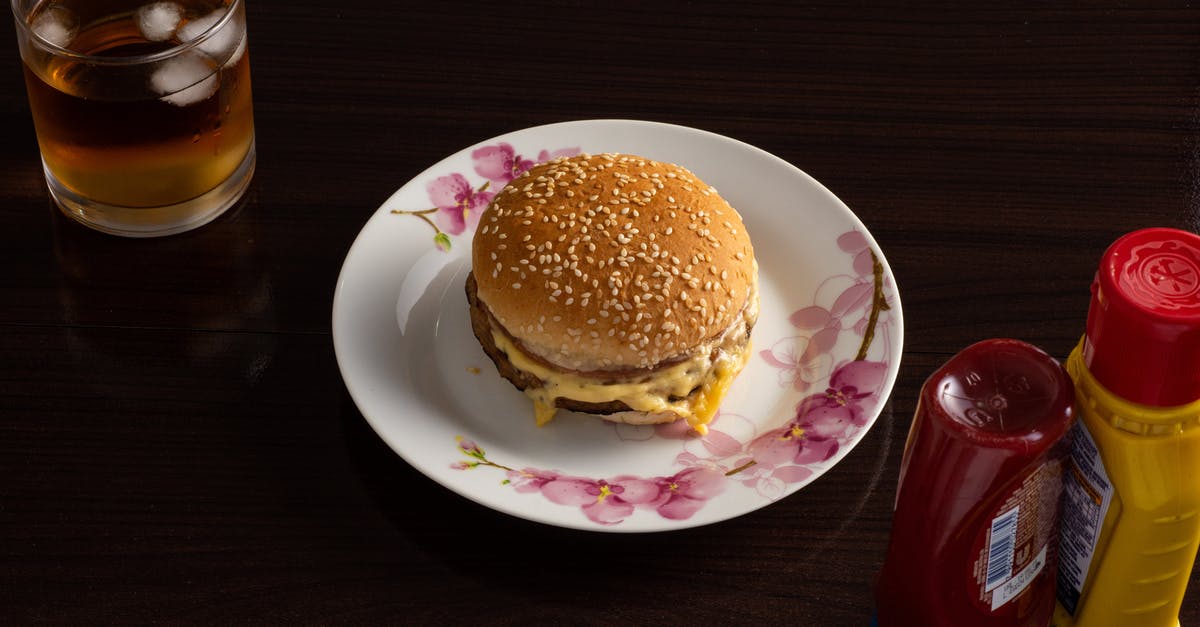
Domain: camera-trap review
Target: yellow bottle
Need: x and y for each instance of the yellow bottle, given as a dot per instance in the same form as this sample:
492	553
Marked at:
1131	508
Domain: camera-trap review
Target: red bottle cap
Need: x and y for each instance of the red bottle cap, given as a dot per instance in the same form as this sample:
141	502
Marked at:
1002	393
1143	327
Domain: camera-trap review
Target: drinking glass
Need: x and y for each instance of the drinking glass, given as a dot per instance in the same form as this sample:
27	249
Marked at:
142	109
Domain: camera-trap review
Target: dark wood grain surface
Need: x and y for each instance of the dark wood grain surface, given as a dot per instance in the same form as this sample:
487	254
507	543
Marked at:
177	444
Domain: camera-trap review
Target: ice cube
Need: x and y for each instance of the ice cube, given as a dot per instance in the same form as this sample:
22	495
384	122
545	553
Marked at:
196	27
241	48
237	54
226	45
159	21
184	80
57	26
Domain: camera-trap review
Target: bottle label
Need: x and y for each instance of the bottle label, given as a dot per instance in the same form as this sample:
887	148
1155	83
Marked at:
1013	550
1087	493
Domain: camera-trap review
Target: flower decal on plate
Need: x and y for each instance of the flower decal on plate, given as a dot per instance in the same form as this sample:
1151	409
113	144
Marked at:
839	392
458	202
822	424
609	501
501	163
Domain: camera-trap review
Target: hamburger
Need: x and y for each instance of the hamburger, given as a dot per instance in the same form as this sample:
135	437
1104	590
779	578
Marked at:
614	285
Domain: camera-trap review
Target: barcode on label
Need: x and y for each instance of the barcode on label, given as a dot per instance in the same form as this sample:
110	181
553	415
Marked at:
1000	548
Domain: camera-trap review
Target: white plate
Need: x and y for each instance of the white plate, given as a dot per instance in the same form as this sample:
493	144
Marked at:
812	389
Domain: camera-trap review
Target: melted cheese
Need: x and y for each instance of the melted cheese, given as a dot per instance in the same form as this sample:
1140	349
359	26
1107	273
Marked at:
708	401
543	412
650	395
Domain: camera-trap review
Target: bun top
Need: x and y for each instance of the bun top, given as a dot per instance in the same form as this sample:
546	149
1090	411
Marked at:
612	262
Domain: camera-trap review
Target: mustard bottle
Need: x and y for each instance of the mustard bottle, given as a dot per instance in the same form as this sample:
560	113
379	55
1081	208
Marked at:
1131	493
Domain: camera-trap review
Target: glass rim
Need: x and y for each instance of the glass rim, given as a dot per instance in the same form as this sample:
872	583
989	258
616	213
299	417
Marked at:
21	18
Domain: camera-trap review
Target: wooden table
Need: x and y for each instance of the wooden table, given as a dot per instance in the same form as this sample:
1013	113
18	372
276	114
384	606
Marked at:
177	444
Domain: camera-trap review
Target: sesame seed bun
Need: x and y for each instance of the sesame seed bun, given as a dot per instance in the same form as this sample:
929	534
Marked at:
612	262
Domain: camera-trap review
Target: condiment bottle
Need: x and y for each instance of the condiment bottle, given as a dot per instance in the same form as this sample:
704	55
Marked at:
975	527
1131	518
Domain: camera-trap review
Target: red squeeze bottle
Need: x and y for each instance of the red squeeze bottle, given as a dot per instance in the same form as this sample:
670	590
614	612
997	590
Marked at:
975	529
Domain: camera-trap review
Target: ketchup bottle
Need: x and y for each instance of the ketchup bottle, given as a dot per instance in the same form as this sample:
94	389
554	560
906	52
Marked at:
975	529
1131	518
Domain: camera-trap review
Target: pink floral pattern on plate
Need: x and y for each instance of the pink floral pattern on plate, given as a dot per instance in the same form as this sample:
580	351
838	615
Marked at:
458	202
840	400
609	501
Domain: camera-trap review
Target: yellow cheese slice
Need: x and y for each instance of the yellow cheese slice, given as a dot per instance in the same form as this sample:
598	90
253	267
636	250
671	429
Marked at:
650	395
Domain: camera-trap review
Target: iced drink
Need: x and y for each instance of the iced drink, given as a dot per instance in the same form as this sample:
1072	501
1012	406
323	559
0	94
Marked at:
143	110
